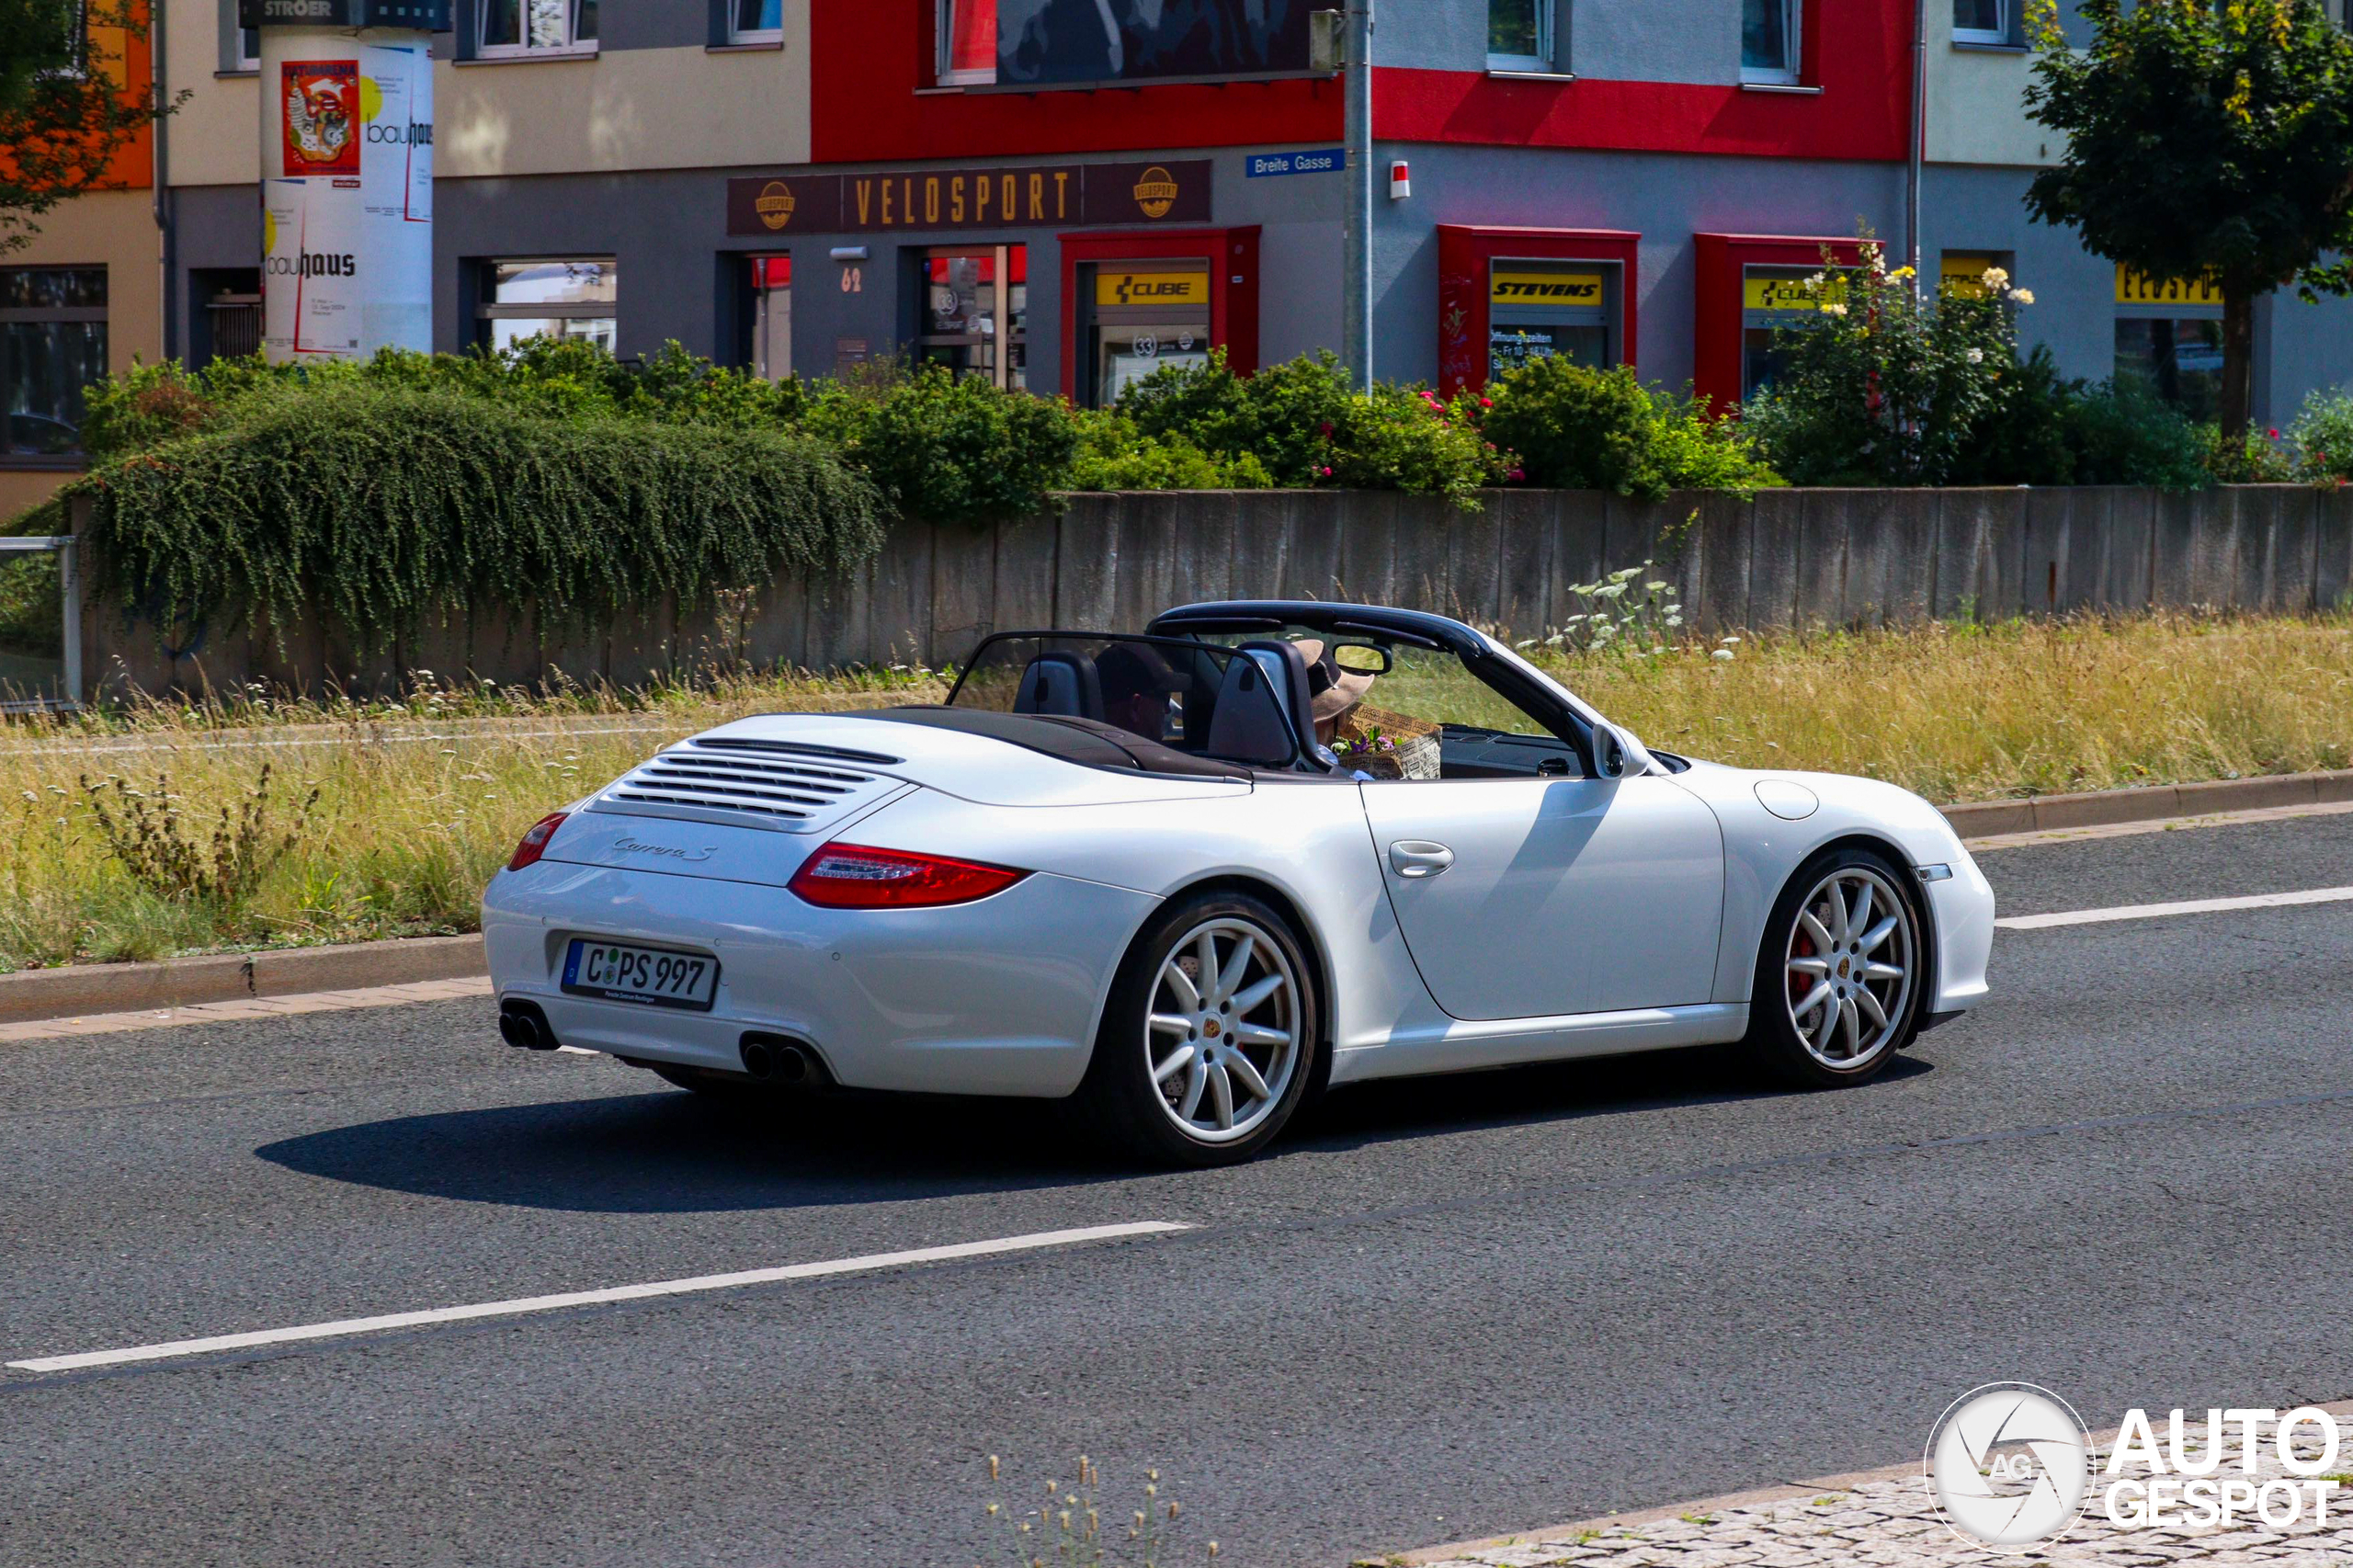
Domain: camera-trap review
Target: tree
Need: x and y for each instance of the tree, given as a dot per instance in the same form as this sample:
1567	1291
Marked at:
2206	139
64	108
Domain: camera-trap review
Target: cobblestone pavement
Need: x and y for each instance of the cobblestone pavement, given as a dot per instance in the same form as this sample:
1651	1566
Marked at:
1888	1518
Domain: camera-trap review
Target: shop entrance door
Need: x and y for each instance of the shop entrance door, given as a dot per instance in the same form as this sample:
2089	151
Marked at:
1141	315
1540	309
771	323
975	311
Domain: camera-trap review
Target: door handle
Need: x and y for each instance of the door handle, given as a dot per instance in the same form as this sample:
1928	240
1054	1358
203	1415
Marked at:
1416	858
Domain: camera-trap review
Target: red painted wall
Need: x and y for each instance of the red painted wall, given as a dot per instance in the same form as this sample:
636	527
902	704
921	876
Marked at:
872	56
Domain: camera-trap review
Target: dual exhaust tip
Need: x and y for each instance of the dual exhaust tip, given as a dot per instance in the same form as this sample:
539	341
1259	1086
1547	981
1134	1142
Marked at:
770	1058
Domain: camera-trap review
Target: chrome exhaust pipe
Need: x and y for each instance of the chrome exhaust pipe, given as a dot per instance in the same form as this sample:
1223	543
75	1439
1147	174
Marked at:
759	1059
794	1067
782	1062
523	1026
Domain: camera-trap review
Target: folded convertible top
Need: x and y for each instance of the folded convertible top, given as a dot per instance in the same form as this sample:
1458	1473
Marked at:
1086	741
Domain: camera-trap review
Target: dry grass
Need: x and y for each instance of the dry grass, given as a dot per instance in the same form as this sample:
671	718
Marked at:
418	802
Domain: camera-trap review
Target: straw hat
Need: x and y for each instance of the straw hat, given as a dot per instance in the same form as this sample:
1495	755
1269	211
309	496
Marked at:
1332	690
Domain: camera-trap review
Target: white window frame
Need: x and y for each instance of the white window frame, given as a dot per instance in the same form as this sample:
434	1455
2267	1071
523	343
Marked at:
248	64
573	47
1542	59
736	34
1997	34
942	73
1793	42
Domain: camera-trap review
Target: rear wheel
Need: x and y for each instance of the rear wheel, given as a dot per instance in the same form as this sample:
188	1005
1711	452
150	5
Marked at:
1207	1045
1839	975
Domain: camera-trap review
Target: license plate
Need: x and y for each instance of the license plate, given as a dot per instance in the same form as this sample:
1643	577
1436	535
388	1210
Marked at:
620	972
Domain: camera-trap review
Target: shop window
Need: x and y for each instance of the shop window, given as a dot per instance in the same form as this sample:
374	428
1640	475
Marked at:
520	29
1773	300
2169	340
975	312
1963	271
755	21
1519	35
967	33
52	349
240	46
1140	316
1983	21
771	316
227	321
1542	310
1769	40
573	300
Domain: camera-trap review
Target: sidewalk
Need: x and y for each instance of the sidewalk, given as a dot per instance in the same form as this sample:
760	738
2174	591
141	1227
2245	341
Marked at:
1887	1518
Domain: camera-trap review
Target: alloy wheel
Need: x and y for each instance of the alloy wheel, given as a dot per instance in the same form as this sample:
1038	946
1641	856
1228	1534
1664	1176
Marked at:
1221	1037
1852	952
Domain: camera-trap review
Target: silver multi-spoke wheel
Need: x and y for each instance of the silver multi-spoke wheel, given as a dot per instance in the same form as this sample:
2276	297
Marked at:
1221	1037
1852	953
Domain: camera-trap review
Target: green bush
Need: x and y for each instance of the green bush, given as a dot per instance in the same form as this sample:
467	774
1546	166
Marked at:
1114	455
1578	428
2023	438
2322	437
1307	429
371	505
951	450
2123	435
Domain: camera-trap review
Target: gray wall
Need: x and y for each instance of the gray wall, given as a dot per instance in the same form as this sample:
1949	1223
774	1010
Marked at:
1111	563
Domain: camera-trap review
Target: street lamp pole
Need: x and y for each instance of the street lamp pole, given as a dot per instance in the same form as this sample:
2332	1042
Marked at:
1356	330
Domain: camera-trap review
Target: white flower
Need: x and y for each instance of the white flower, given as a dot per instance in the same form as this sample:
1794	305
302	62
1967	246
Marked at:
1834	309
2021	296
1977	356
1995	277
1723	653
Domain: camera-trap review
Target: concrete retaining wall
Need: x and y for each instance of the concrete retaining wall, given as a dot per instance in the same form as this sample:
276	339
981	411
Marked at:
1790	557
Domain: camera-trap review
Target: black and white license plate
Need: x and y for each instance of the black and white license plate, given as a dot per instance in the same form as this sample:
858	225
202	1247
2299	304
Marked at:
619	972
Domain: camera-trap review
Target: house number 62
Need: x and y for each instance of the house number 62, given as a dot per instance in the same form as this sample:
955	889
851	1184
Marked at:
853	281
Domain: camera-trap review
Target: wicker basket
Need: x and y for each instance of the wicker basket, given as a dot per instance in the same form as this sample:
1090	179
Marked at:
1416	741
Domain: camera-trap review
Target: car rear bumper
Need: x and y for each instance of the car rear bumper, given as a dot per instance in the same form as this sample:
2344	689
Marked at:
996	997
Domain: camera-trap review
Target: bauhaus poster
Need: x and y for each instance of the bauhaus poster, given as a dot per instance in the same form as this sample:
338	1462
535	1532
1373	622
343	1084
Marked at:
1072	41
348	205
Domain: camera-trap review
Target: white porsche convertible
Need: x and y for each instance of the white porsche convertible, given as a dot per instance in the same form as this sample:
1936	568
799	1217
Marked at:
1197	875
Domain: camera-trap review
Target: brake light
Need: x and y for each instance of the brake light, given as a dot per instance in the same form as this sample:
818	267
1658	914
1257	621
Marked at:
851	876
535	842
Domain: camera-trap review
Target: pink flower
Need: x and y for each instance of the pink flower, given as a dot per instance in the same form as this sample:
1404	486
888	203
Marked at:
1327	471
1486	403
1517	474
2274	434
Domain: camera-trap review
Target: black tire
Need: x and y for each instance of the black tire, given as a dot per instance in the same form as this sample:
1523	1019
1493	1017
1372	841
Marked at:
1810	1055
1119	1101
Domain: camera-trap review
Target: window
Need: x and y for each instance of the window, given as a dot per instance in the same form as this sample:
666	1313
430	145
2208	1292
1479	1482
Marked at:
2179	359
1981	21
771	318
1519	35
1769	40
248	48
755	21
977	302
967	42
1773	300
511	28
1138	316
53	347
573	299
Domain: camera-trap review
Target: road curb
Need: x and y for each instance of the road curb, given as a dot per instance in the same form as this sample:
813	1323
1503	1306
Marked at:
83	989
2151	803
80	989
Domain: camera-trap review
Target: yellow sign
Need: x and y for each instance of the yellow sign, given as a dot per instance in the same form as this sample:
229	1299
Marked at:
775	204
1151	288
1155	191
1573	289
2139	288
1963	272
1787	292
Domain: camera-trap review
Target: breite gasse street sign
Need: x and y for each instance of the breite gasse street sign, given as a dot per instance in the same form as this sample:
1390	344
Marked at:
916	200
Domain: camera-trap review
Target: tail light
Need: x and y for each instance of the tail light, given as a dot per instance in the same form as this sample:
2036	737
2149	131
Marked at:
535	842
851	876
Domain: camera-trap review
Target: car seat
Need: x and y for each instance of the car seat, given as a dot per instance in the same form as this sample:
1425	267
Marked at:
1286	667
1062	683
1249	722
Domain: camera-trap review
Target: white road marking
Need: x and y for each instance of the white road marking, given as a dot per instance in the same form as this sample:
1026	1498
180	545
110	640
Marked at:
593	1297
2158	910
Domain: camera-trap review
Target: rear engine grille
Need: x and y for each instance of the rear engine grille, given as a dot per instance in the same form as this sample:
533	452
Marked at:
788	792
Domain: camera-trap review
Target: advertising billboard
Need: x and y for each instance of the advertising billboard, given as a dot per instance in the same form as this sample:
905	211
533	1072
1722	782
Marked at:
1069	42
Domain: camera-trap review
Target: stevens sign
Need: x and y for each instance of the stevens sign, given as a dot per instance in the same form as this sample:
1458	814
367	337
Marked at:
920	200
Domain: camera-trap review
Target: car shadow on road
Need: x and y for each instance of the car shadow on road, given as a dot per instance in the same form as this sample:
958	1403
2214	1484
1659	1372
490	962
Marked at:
670	1151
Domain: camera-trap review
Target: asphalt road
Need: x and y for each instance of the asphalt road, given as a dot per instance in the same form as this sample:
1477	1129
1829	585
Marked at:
1440	1310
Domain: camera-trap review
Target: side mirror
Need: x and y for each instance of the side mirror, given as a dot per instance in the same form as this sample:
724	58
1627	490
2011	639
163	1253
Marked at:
1618	755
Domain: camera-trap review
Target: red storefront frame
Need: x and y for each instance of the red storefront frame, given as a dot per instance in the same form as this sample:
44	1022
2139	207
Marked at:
1464	253
1233	256
1720	312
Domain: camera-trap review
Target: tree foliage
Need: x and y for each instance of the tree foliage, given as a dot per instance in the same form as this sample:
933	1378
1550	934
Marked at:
2205	138
65	110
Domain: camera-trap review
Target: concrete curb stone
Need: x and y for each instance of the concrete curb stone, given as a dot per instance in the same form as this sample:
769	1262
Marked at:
80	989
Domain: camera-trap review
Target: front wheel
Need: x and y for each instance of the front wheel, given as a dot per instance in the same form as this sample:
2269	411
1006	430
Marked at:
1839	975
1208	1042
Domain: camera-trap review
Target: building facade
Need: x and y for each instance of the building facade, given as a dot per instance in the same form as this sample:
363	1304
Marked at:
1061	195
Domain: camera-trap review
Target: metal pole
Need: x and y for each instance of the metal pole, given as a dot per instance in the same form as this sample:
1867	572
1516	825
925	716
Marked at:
1356	329
1913	170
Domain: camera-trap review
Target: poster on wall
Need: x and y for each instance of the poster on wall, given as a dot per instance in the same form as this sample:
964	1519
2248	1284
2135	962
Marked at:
347	218
1074	41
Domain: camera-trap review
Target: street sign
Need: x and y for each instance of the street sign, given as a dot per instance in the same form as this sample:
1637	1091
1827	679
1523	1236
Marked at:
1322	161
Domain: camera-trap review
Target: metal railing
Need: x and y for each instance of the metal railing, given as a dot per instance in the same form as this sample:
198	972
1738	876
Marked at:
22	676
